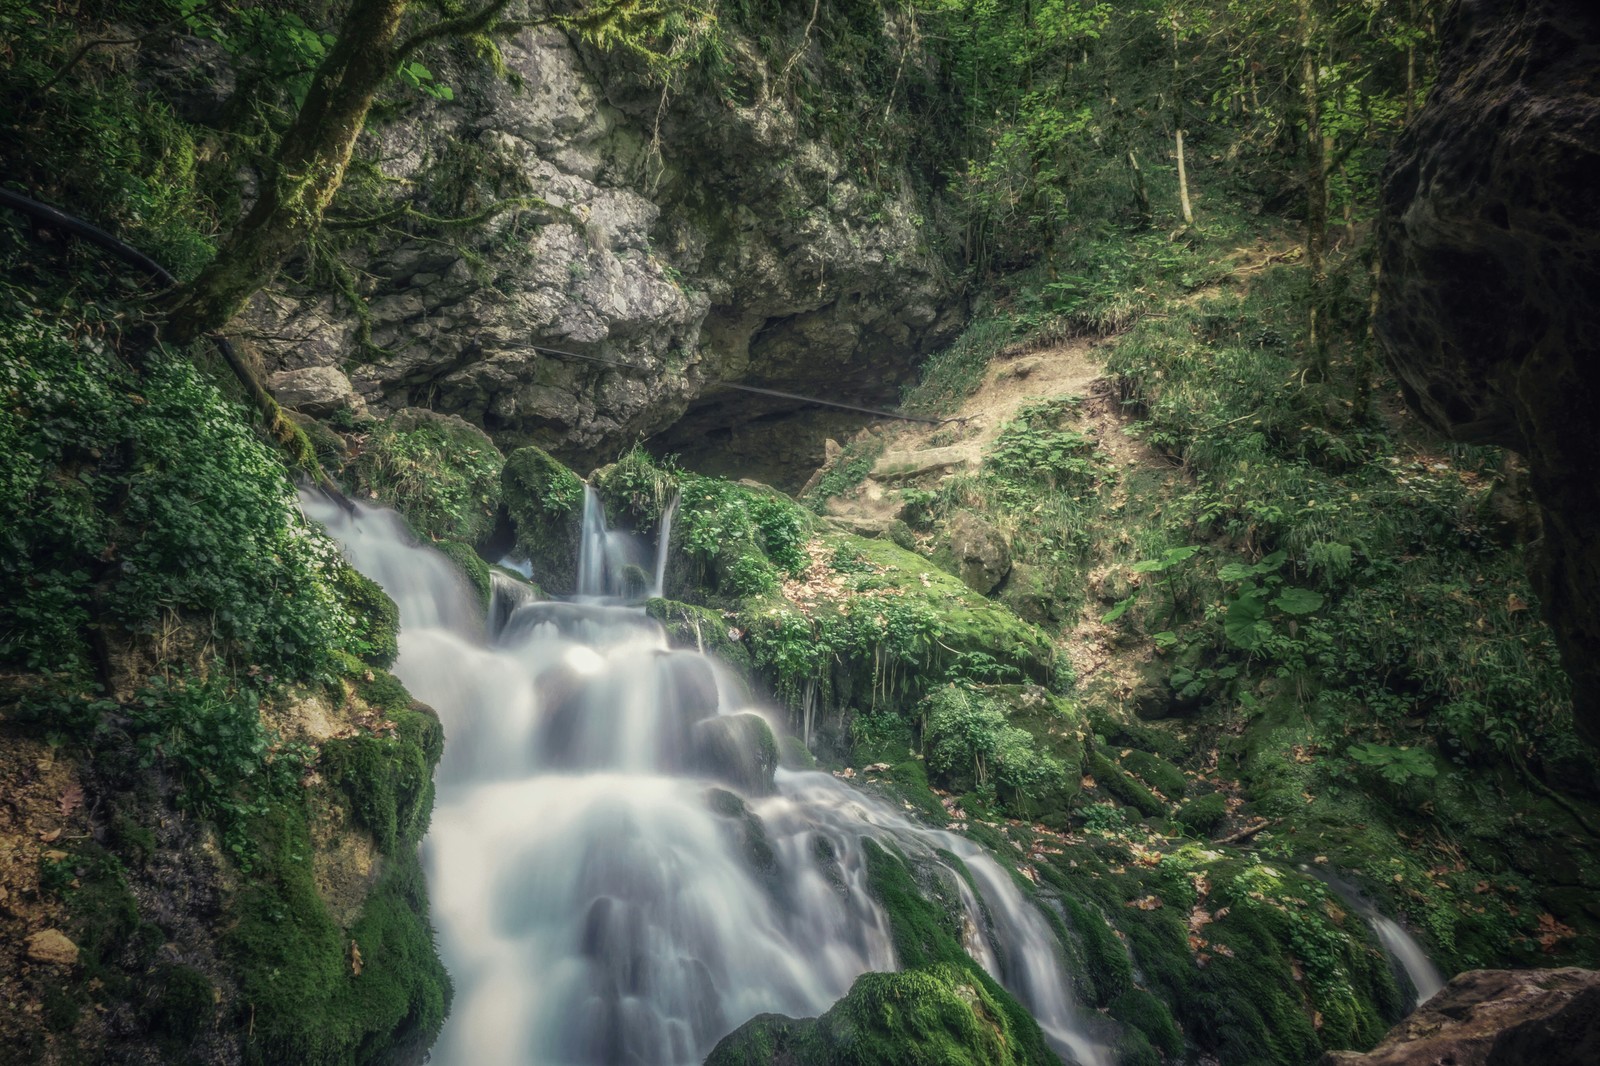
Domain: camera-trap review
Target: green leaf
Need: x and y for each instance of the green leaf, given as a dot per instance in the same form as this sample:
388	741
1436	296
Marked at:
1298	601
1118	611
1241	625
1165	639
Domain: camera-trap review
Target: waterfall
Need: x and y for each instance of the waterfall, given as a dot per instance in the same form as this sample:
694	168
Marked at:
663	543
1405	954
610	882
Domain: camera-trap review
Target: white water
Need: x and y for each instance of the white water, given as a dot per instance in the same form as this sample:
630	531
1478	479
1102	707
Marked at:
1401	947
591	904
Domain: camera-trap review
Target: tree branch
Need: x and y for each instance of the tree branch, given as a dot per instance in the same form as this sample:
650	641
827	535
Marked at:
462	26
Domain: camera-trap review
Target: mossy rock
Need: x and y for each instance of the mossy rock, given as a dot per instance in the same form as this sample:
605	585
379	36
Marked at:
1110	778
300	997
376	618
635	490
1140	1010
472	565
927	935
1157	773
544	500
701	629
1203	815
935	1015
738	749
440	471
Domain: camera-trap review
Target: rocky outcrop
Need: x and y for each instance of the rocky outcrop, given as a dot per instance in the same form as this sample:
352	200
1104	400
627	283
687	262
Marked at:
1496	1018
701	237
1490	285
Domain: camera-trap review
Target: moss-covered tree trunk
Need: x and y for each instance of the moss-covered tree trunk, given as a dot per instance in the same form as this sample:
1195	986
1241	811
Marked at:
309	167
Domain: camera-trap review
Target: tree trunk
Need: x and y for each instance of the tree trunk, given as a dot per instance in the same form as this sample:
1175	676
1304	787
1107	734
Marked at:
309	167
1183	185
1316	190
1141	195
1177	125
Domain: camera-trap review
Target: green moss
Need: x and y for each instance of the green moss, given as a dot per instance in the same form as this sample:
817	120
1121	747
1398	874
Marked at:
388	777
1157	773
636	489
1202	815
300	998
927	934
376	618
180	1002
1109	776
1106	966
442	473
470	563
702	629
1142	1011
937	1015
545	502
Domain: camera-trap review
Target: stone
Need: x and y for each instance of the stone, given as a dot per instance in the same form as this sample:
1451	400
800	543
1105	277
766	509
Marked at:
1496	1018
52	946
1489	292
318	391
737	749
975	550
689	242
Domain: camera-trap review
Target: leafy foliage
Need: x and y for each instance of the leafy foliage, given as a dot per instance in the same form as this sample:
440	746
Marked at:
141	500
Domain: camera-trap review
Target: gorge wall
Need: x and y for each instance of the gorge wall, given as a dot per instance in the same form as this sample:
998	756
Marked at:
692	237
1490	275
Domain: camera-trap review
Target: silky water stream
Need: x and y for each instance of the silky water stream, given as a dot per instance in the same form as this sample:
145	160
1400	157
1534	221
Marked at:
589	866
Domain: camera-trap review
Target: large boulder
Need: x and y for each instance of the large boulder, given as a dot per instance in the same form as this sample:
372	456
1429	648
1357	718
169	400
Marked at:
318	391
1490	284
714	234
1496	1018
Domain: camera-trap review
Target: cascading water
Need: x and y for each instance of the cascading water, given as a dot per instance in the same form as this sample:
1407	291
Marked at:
614	877
1405	954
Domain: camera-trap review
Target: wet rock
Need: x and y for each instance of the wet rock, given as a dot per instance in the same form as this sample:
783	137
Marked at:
1490	284
974	550
52	946
318	391
1496	1018
737	749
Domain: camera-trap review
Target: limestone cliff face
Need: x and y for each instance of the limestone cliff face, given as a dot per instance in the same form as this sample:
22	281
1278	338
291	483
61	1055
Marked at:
1491	277
709	240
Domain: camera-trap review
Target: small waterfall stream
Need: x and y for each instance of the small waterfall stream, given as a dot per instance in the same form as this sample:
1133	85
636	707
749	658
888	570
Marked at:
607	888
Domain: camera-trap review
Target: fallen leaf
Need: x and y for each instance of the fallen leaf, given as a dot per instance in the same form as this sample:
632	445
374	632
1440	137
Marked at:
355	958
50	837
71	799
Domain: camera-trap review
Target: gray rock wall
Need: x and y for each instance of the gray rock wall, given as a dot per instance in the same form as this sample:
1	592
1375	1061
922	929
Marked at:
743	249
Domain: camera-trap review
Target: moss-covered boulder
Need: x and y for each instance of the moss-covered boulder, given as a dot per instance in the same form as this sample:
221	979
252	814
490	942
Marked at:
375	617
935	1015
440	471
544	501
738	749
974	549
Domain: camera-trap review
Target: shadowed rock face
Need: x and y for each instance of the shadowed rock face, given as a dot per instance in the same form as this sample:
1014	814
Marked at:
1490	287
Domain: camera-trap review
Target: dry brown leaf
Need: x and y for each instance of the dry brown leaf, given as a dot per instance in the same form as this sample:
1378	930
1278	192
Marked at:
355	958
71	799
50	837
